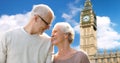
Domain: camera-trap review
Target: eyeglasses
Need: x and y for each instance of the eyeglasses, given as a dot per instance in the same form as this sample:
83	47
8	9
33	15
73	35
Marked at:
43	20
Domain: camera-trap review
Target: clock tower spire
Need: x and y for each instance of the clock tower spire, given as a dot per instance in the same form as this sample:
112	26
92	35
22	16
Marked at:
88	40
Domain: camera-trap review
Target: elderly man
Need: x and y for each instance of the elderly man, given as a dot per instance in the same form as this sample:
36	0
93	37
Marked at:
29	44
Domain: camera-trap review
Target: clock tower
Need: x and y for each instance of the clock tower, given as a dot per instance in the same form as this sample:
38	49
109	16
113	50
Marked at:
88	27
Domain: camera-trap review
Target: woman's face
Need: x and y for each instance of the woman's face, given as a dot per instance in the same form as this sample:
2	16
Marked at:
57	36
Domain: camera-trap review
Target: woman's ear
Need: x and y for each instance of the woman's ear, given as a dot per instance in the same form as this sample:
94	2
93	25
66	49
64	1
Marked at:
66	35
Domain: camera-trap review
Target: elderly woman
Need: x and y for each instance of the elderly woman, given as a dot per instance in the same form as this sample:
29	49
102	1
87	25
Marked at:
62	37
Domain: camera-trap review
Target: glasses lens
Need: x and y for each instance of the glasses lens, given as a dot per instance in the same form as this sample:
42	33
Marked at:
43	20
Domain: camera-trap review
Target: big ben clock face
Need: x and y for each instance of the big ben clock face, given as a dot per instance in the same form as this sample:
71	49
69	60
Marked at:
86	18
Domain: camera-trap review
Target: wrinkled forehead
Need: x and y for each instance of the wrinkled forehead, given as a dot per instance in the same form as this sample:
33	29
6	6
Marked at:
57	28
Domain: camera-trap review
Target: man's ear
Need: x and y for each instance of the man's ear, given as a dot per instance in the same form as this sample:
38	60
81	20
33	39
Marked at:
35	18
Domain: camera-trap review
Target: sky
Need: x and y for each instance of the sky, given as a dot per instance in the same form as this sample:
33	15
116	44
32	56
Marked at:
15	13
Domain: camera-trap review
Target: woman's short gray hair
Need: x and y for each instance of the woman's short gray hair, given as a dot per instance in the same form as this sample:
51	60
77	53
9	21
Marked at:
42	10
67	29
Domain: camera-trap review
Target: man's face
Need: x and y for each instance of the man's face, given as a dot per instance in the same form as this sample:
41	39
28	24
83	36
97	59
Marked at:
44	23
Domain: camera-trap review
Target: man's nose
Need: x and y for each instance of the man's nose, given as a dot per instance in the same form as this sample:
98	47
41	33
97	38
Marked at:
48	27
52	36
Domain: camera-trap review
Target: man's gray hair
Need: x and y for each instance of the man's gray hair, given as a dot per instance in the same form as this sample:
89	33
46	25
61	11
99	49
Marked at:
42	10
67	29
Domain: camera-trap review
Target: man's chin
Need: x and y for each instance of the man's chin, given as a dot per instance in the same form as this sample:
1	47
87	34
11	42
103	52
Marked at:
41	32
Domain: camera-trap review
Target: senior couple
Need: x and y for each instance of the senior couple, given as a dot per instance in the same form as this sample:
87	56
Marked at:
30	44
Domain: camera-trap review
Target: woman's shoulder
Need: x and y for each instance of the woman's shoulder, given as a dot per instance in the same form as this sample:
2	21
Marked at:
81	53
